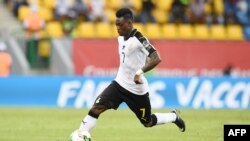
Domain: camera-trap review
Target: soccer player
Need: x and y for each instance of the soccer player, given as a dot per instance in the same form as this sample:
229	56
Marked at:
130	85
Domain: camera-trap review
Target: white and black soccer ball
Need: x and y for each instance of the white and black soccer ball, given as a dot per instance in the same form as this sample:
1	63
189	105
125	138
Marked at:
79	135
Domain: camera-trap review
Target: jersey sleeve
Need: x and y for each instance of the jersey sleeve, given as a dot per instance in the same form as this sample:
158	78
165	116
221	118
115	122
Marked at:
145	42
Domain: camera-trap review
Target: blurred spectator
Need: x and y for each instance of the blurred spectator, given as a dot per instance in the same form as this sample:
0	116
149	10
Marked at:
246	31
243	13
146	13
197	11
78	12
79	9
127	4
215	15
17	4
97	13
230	10
6	60
178	13
61	11
68	25
33	23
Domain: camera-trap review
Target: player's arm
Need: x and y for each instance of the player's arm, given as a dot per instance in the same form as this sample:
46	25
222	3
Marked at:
154	57
154	60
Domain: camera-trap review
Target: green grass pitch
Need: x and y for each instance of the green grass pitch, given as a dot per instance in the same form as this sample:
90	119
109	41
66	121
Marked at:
56	124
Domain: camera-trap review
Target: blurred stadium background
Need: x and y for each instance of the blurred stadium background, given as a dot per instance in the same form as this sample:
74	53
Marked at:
64	52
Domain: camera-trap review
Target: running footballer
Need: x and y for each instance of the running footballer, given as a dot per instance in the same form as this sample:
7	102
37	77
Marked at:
130	85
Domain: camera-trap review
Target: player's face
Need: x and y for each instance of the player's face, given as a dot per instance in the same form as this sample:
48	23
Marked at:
123	26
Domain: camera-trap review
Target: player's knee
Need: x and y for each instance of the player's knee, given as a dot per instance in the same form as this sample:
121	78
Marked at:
151	123
95	111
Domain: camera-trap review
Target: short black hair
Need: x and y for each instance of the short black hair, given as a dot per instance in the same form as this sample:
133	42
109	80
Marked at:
126	13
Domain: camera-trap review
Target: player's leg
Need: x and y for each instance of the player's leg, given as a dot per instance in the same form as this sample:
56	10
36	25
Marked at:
179	121
172	117
106	100
90	120
141	106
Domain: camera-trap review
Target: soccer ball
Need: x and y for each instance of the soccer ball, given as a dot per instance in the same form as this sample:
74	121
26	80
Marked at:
79	135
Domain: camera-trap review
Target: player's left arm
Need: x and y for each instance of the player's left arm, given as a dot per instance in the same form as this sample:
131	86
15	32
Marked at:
154	60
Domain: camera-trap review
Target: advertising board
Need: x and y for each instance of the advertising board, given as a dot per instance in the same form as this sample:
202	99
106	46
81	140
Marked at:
99	57
165	92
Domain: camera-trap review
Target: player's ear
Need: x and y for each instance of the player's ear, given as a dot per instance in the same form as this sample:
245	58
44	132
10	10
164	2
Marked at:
130	22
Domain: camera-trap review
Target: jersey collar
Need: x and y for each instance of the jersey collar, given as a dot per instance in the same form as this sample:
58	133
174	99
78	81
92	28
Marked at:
132	33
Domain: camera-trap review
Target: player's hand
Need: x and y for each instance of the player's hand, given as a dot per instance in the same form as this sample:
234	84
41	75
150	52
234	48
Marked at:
138	80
